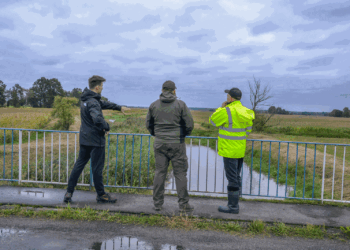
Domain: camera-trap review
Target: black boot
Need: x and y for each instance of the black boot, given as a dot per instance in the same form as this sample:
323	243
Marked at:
232	206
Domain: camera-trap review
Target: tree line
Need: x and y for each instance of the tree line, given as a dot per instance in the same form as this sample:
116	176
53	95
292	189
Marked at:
334	113
40	95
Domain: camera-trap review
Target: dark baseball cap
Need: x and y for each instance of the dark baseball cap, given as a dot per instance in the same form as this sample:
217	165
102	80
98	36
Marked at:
234	93
169	85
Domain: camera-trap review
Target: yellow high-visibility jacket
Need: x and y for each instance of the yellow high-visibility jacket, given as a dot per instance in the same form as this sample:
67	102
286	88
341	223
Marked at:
235	122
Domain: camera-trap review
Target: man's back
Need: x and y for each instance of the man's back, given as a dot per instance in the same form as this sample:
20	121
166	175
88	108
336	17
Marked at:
169	119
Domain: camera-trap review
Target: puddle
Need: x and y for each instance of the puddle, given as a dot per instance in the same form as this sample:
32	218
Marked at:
6	232
131	243
29	193
213	179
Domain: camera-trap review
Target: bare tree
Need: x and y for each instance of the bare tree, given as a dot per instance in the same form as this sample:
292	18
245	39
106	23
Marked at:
256	98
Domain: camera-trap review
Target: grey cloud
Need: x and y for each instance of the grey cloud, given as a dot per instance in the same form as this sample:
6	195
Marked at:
264	28
332	12
325	61
6	24
314	63
302	45
58	9
74	36
198	72
206	71
241	51
343	42
48	61
10	44
122	59
139	59
186	61
196	37
167	63
194	40
5	3
265	67
145	59
186	19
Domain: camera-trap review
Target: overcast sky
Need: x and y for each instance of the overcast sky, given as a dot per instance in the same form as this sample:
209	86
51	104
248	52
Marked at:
301	49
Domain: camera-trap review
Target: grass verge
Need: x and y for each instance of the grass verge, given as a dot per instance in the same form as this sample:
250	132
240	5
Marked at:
183	222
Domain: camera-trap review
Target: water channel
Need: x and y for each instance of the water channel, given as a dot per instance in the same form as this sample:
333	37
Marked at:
205	176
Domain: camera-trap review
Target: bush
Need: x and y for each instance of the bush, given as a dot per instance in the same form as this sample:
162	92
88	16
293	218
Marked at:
63	109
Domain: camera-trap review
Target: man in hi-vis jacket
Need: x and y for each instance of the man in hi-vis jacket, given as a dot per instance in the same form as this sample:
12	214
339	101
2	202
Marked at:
235	122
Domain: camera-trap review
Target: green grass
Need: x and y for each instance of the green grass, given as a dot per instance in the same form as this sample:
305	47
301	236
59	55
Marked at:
182	222
310	131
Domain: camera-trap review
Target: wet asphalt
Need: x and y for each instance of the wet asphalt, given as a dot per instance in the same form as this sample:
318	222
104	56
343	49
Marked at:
203	207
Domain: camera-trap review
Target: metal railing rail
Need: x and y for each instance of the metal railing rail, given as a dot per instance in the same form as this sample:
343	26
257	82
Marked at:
211	173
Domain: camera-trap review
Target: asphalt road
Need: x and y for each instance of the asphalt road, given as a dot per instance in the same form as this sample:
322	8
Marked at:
27	233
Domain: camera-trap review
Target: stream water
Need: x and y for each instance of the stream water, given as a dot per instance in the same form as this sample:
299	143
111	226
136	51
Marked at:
211	180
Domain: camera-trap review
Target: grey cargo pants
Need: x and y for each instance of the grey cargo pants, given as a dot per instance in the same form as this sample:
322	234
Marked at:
176	153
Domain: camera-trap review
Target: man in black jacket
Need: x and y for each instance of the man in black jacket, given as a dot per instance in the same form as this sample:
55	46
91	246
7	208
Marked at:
170	121
92	138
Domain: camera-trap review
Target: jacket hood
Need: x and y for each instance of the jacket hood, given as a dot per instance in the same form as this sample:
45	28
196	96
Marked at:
167	97
87	94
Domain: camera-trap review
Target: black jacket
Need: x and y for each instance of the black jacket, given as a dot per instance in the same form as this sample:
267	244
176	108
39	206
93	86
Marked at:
92	121
169	119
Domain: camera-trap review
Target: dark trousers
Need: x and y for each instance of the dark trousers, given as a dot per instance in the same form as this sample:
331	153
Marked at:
97	155
233	168
176	153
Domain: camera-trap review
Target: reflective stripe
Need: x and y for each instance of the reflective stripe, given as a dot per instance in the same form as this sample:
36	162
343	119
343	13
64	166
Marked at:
229	117
248	133
232	137
212	122
233	129
249	128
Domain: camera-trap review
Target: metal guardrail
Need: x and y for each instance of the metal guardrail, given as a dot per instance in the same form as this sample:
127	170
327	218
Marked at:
192	171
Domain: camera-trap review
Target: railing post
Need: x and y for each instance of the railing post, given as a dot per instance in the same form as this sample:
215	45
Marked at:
324	168
20	157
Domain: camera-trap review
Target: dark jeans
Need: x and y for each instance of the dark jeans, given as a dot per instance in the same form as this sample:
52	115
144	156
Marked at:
233	168
176	153
97	155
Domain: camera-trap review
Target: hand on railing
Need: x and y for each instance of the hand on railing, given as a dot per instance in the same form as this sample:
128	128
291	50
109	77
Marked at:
106	133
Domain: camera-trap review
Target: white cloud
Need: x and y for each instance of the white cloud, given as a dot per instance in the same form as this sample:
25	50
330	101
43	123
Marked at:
172	4
155	31
38	44
243	36
242	9
82	15
101	47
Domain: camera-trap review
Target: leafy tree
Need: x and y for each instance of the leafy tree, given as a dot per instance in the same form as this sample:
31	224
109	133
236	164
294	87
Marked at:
44	91
336	113
76	92
63	109
346	112
2	93
271	110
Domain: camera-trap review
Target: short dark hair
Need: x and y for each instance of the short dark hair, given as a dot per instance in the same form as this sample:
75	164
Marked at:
95	81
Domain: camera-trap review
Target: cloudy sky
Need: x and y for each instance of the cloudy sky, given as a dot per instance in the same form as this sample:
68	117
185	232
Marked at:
301	49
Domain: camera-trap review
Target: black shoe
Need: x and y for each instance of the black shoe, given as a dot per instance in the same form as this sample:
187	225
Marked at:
157	208
187	208
232	206
106	198
68	197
